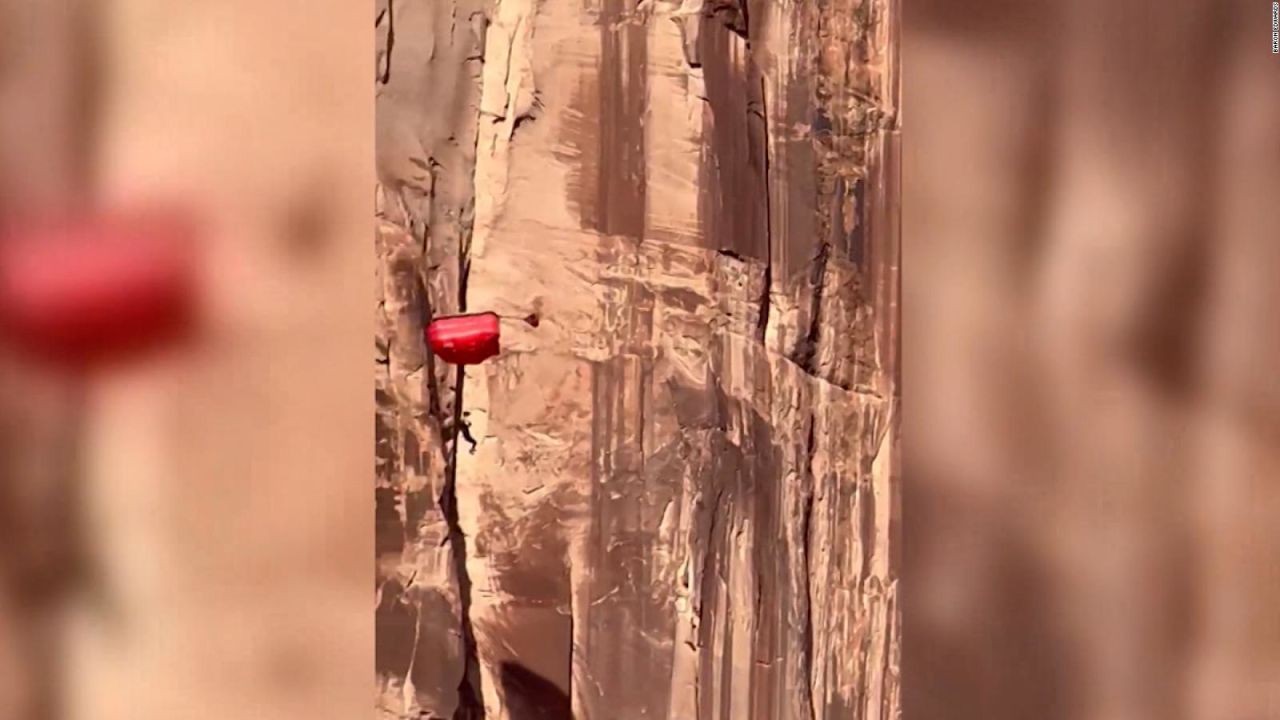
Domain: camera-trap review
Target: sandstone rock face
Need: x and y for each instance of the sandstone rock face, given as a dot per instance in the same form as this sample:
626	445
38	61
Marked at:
682	497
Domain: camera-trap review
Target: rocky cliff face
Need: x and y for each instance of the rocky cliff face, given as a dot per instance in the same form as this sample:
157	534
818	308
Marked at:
683	497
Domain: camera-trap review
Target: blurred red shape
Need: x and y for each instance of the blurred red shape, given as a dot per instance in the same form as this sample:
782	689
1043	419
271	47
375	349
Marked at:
464	339
86	291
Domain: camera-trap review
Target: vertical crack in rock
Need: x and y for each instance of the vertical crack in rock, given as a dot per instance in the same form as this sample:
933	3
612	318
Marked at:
806	533
710	592
388	15
766	284
427	115
411	453
470	699
807	349
470	695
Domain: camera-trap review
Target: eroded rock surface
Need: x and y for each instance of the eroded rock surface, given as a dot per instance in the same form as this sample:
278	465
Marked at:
683	500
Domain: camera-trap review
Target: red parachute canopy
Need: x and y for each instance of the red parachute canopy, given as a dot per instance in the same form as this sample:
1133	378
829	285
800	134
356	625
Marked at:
464	339
84	291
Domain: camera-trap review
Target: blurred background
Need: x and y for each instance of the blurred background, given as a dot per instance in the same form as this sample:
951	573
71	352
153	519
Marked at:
1091	191
1092	501
188	534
